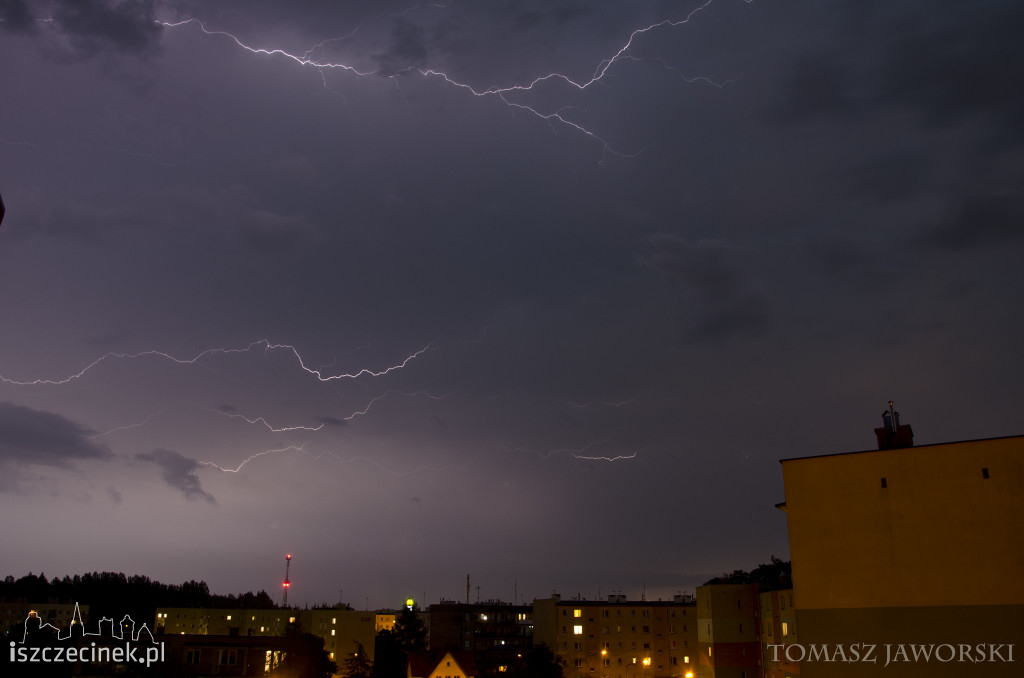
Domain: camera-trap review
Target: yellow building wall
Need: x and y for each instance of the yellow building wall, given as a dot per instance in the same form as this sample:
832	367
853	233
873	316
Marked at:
938	534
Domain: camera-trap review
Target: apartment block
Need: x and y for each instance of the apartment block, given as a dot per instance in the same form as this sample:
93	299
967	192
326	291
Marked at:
618	638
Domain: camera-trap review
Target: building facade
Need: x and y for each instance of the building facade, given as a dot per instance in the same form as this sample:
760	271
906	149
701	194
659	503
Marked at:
340	630
728	631
494	632
778	631
916	553
616	638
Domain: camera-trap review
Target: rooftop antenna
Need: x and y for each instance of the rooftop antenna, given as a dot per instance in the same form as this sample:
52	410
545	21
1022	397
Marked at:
287	582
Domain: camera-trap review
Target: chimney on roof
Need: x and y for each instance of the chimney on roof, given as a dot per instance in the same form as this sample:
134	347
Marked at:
893	435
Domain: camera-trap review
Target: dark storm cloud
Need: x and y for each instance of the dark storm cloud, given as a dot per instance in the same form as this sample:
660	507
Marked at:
554	13
80	222
821	86
891	177
408	49
942	61
36	437
718	302
179	472
16	17
108	340
272	234
96	26
958	63
980	221
90	27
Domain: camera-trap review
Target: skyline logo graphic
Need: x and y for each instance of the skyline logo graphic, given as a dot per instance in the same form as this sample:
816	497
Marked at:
120	643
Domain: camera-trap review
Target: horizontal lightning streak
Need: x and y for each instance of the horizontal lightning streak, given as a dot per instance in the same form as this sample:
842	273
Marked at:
588	405
617	458
262	343
501	92
574	452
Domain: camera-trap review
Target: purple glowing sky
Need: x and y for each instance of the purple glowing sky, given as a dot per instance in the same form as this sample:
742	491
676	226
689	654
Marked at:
609	310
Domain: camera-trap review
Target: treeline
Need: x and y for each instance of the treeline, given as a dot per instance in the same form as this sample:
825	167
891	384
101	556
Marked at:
115	594
777	574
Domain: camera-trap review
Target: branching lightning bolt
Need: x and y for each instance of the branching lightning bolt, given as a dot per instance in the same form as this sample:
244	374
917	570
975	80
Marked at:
357	413
266	424
290	448
127	426
262	343
315	58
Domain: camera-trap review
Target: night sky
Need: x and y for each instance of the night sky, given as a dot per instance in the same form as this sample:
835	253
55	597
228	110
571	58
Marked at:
539	290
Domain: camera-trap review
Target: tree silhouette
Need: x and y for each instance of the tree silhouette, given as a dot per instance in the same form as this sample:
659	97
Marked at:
358	665
304	656
410	630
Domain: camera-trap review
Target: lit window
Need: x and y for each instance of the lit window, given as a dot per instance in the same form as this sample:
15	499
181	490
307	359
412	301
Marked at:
785	628
332	632
577	630
686	659
577	613
229	617
291	620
